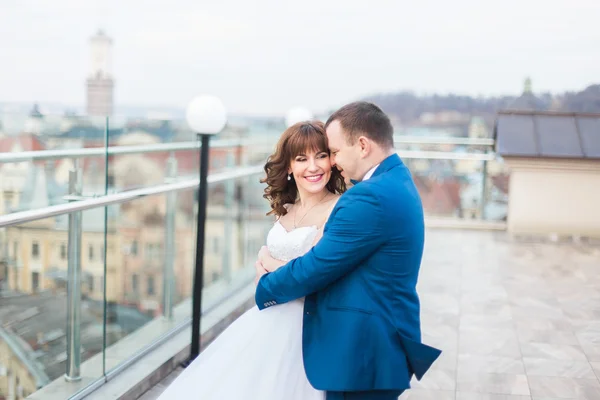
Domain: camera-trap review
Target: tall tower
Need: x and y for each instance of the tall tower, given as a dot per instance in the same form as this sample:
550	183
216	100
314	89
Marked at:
35	122
527	86
527	100
100	83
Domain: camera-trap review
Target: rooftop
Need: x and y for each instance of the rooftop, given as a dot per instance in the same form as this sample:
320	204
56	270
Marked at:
515	317
35	327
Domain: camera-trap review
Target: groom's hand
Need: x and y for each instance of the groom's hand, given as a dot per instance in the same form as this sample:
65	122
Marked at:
260	271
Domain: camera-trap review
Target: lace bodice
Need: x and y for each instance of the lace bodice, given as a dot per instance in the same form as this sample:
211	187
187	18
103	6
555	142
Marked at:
286	246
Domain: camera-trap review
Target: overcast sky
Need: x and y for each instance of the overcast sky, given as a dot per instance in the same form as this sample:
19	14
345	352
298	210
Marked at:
263	57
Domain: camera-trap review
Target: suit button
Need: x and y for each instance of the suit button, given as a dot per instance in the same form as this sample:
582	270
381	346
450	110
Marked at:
265	304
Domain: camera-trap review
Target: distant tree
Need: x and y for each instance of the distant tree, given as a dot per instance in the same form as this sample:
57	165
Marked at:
408	106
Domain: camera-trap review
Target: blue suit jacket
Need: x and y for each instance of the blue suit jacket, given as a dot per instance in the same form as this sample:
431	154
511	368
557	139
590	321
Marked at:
361	328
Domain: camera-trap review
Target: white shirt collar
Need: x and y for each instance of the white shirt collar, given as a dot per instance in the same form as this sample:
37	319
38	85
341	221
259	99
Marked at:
370	173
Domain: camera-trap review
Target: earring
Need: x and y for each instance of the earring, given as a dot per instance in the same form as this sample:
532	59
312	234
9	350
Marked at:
289	177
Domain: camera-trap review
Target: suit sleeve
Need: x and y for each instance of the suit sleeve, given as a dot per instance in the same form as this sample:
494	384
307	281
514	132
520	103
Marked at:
352	234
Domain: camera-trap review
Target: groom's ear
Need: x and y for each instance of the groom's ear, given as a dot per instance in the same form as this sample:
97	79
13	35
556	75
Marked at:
364	144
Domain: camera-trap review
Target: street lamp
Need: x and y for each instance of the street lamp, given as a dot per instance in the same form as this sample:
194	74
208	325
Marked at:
206	116
297	114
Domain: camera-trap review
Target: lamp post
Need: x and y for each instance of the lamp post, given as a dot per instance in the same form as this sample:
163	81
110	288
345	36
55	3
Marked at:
297	114
206	116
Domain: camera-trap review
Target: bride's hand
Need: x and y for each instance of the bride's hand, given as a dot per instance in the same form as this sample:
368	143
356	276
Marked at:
260	271
268	262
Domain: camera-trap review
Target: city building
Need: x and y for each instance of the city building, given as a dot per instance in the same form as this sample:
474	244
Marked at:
554	164
100	82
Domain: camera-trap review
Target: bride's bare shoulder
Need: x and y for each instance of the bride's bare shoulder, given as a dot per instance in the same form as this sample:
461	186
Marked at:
288	207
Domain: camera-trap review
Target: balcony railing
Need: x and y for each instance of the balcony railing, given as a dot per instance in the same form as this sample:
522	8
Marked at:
66	314
96	294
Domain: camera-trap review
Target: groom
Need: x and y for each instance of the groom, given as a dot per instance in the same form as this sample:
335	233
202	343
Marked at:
361	327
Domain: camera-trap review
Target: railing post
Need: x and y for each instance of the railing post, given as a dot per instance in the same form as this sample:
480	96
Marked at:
243	214
10	264
228	203
4	236
73	372
484	176
169	261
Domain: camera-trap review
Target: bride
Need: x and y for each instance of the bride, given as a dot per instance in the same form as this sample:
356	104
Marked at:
259	356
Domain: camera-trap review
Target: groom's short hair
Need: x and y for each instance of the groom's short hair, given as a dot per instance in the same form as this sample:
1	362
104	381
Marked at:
362	118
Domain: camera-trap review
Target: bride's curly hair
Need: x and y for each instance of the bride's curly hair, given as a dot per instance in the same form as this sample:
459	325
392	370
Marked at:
299	138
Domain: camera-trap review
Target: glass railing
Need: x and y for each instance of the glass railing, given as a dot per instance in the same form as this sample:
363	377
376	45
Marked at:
457	178
133	280
86	290
98	227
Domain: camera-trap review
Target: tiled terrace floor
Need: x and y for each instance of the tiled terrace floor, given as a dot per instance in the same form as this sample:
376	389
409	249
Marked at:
517	319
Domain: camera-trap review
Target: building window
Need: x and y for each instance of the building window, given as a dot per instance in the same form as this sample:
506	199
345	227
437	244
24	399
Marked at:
218	161
63	251
215	245
153	251
102	255
135	283
35	281
15	250
35	250
91	283
91	252
134	248
150	286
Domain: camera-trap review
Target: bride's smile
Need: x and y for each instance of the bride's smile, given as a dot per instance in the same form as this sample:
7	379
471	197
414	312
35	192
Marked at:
314	178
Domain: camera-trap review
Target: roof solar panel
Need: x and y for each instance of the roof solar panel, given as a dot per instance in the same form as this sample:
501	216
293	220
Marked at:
589	131
557	136
516	135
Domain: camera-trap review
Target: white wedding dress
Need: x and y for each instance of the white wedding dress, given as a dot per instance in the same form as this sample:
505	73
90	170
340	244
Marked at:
259	356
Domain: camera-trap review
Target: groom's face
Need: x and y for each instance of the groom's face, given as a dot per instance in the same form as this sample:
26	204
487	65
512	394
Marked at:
343	155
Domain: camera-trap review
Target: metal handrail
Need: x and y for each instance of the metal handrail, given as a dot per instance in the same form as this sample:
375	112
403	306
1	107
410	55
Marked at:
123	197
445	155
111	151
82	205
192	145
443	140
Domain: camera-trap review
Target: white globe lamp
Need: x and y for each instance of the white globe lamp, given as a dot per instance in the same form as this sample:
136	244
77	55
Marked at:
206	115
